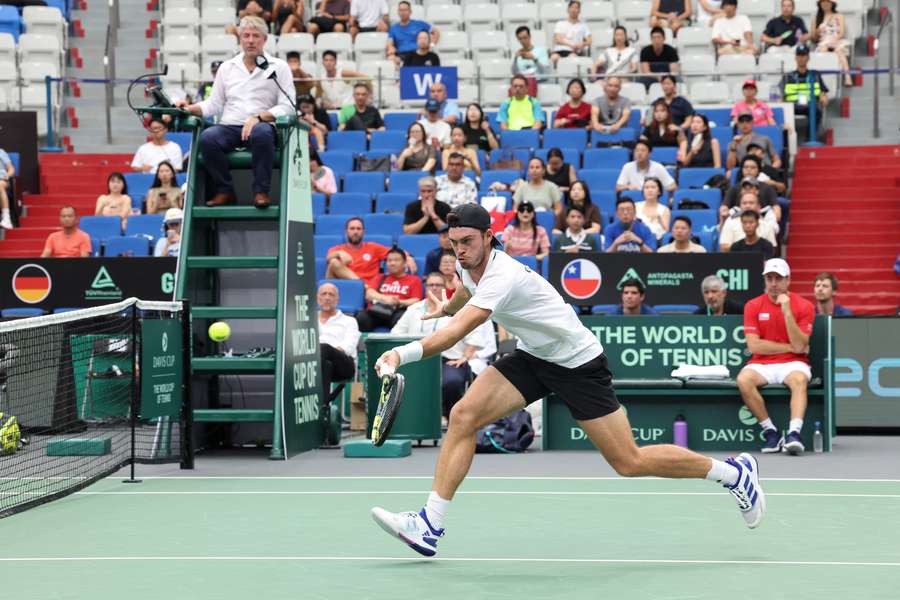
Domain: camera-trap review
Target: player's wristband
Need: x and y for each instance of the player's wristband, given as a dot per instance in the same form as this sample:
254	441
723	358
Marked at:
410	352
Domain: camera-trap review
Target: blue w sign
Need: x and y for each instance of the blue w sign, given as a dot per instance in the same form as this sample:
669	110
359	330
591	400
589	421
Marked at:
416	81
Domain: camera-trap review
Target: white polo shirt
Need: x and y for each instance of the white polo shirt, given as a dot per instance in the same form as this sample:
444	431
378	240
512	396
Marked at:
529	307
342	332
632	175
368	12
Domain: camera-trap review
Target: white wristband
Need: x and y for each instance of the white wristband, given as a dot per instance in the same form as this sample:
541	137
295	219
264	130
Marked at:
410	352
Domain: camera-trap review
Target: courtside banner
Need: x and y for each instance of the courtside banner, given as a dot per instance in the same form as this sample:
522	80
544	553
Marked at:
867	371
416	81
588	278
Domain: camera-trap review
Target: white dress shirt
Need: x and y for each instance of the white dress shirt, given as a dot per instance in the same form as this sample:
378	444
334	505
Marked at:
341	332
238	94
411	323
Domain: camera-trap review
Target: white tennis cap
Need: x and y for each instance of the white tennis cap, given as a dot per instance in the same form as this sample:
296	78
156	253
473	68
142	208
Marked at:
777	265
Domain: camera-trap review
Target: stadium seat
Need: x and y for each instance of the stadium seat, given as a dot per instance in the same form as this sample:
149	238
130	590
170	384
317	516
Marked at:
625	134
453	45
546	219
351	292
506	176
634	91
694	40
350	141
707	239
399	120
36	47
600	179
9	21
633	14
570	155
180	21
523	155
383	224
45	20
703	220
516	14
378	68
21	313
364	182
146	225
126	246
405	182
711	196
214	19
488	44
331	225
318	204
676	309
710	92
447	16
304	43
635	195
774	133
338	42
605	158
370	46
603	309
7	48
666	155
697	176
101	228
697	68
321	267
339	161
598	15
321	243
181	48
138	184
419	244
565	138
605	199
482	18
350	203
389	141
524	138
528	261
736	68
385	240
389	202
217	47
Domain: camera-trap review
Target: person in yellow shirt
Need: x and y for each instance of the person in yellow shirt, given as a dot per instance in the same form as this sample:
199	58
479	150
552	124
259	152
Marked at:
520	111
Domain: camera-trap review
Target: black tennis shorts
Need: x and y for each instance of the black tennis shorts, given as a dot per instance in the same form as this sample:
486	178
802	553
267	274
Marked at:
587	390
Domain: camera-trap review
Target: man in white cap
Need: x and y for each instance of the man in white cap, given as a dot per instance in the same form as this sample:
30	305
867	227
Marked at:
777	326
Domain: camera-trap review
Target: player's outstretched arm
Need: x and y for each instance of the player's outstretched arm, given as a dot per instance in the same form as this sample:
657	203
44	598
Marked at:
448	308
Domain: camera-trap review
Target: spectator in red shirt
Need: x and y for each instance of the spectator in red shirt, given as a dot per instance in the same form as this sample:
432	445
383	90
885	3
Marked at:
576	113
777	326
393	292
356	259
71	242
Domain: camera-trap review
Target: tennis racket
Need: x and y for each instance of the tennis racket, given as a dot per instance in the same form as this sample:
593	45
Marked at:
392	385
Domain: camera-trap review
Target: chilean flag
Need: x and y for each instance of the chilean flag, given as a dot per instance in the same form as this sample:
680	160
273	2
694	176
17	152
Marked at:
581	278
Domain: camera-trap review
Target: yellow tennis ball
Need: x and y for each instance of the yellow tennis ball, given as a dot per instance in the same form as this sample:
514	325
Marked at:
219	331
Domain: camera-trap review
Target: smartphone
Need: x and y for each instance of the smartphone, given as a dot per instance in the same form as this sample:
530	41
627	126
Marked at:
162	195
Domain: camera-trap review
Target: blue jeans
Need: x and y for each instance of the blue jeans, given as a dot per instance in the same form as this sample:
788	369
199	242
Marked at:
217	141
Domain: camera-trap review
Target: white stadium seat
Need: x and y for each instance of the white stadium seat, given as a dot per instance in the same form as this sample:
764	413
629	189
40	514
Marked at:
493	69
710	92
494	94
482	17
694	40
339	42
634	91
735	68
466	93
550	95
214	19
304	43
465	69
445	16
759	12
7	48
372	67
598	15
180	21
181	48
517	14
370	45
633	13
488	44
550	13
34	97
697	67
39	48
217	47
773	65
453	45
45	19
763	89
826	61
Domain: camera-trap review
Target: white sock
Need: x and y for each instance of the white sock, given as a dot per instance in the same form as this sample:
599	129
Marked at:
796	425
5	213
723	473
435	509
767	424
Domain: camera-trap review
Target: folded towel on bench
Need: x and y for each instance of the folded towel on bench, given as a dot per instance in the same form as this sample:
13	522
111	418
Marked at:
698	372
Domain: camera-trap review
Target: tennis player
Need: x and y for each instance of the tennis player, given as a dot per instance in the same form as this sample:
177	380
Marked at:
556	353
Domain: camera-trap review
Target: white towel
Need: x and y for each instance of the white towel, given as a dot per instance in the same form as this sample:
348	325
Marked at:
698	372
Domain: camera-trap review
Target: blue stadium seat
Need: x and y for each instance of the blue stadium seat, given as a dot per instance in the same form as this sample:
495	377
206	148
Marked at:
321	266
635	195
724	135
391	141
565	138
381	224
695	177
138	184
523	138
406	182
331	225
420	265
389	202
546	219
528	261
10	22
21	313
340	162
703	220
605	158
333	118
63	7
523	155
676	309
350	203
418	244
101	228
570	155
491	116
599	179
321	243
775	133
399	120
147	225
183	139
718	117
126	246
351	292
502	175
385	240
364	183
318	204
711	196
625	134
666	155
605	199
95	247
349	141
602	309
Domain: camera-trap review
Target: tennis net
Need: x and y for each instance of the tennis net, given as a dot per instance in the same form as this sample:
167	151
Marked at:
70	406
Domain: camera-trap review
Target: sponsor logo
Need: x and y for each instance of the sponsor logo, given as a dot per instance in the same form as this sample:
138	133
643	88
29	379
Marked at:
103	287
31	283
630	274
746	417
165	342
763	316
581	278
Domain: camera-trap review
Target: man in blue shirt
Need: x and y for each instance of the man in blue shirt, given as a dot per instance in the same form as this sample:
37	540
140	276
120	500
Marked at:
402	35
633	294
7	172
627	233
824	288
449	108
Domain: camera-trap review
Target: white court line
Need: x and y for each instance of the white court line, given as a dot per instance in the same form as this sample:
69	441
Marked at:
647	561
429	477
407	492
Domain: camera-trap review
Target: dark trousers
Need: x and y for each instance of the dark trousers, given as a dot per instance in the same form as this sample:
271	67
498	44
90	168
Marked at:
336	366
368	321
217	141
453	384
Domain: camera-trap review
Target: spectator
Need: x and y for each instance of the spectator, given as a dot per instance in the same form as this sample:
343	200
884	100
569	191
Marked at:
732	33
458	146
321	176
829	32
367	16
558	171
355	259
661	131
762	113
433	258
633	295
673	14
752	242
437	131
170	243
206	86
750	181
824	288
704	149
537	191
679	106
7	172
658	56
785	31
289	16
620	58
777	326
304	82
425	214
454	188
767	174
402	35
318	120
804	88
650	211
681	238
626	234
422	56
157	150
447	269
633	173
580	197
71	242
733	230
164	192
455	370
418	155
479	135
115	202
335	90
524	237
360	116
715	299
520	111
331	16
610	111
745	136
391	295
576	113
571	35
449	109
575	238
255	8
338	337
529	60
708	11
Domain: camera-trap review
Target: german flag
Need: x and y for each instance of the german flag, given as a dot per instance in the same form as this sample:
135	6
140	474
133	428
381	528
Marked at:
31	283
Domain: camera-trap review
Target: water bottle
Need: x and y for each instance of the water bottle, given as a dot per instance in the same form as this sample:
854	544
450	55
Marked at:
818	445
680	432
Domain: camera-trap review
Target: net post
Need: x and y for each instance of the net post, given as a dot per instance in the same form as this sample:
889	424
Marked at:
187	407
135	393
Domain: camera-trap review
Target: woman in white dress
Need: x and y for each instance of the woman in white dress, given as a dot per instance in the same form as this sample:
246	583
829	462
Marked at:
619	58
651	212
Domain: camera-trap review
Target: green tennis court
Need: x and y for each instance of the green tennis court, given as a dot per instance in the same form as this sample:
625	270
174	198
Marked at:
536	537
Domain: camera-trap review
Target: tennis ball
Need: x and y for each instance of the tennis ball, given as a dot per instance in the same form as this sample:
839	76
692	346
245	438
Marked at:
219	331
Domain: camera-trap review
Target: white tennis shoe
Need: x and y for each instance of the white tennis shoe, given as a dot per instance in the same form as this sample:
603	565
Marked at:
747	491
413	529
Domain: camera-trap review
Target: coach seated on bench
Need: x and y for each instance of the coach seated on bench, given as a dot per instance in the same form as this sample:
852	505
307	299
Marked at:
338	338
